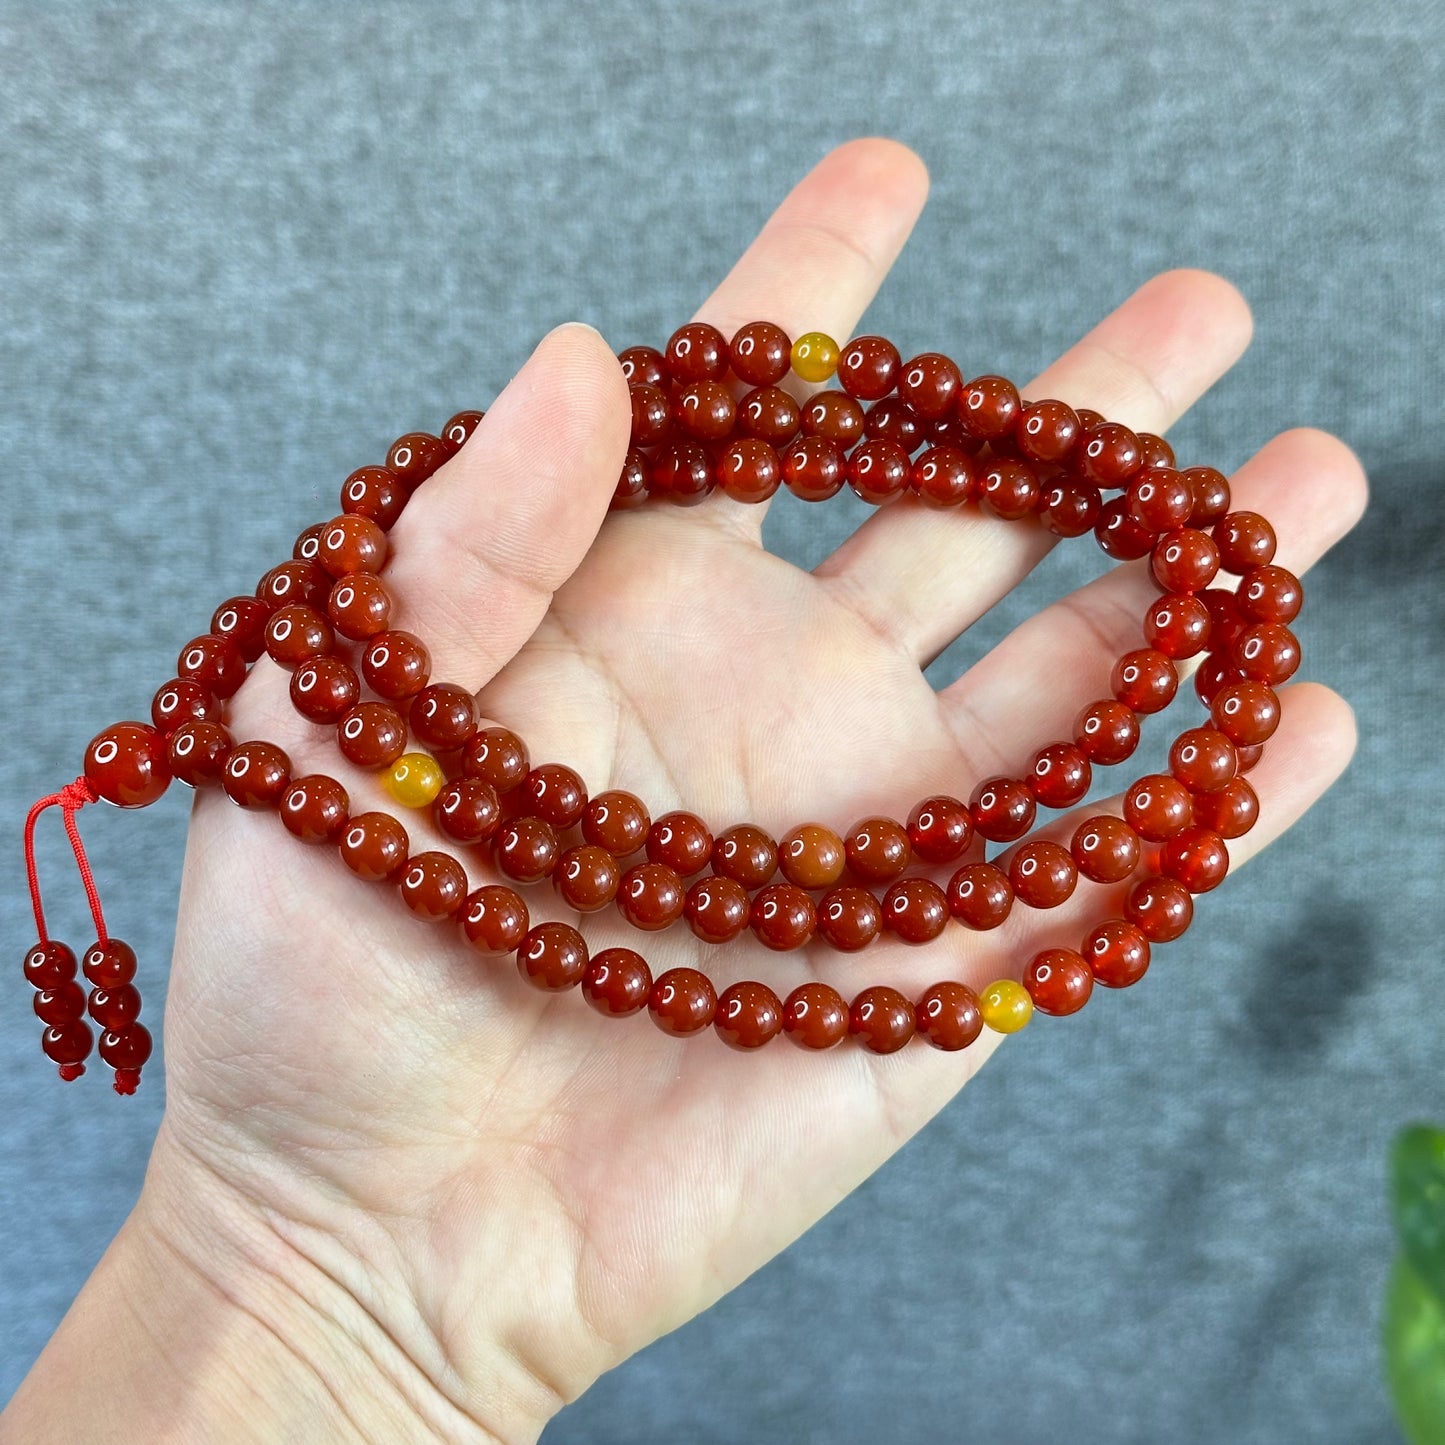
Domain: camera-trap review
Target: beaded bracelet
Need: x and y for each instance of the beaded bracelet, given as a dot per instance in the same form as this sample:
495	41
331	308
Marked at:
709	414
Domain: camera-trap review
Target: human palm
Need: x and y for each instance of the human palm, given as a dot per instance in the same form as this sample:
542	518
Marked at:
519	1191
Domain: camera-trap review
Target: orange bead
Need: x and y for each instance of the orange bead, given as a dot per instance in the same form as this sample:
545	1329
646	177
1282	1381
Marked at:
811	856
748	1015
351	543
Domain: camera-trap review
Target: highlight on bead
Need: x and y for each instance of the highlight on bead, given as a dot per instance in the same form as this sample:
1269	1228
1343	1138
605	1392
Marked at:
414	780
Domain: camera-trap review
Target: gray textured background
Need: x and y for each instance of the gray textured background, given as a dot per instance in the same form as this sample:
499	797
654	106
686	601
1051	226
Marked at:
243	247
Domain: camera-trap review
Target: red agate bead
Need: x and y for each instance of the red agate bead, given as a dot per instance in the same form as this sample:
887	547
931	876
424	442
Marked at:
64	1002
1107	732
243	620
915	910
553	956
881	1019
878	849
848	918
127	764
716	909
114	1008
1197	858
1245	540
1231	812
815	1016
1117	953
1046	431
617	821
1159	500
811	856
748	1015
372	735
197	753
682	1002
497	756
696	352
868	367
1211	495
680	841
325	689
617	982
1267	652
948	1017
746	853
443	717
650	896
352	544
467	810
1203	759
433	886
783	917
526	849
1185	560
359	607
1059	981
930	384
556	793
256	775
1060	775
1042	873
1269	594
495	919
296	633
1245	712
749	470
109	964
643	365
374	492
315	809
415	456
1158	806
214	662
980	895
940	829
1003	809
375	847
181	701
49	964
396	665
760	353
942	477
814	468
1105	849
1109	454
988	407
1160	908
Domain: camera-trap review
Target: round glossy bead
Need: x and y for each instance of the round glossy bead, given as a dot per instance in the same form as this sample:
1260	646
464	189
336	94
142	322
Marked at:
325	689
1117	953
374	492
680	841
396	665
352	544
696	352
1269	594
834	415
306	583
556	793
940	829
617	982
651	415
769	414
553	956
1177	626
444	716
127	764
747	854
359	607
256	775
1211	495
467	810
749	470
1203	759
66	1001
586	878
1105	849
1231	812
881	1019
879	471
632	482
1159	500
783	917
1268	652
414	780
214	662
896	421
980	895
704	411
759	353
495	919
67	1043
814	468
315	809
1245	540
1046	431
375	847
748	1015
243	620
1158	806
1225	619
1119	536
815	1016
1107	732
868	367
650	896
915	910
51	964
617	821
126	1051
716	909
815	356
1145	680
372	735
682	1002
930	383
497	756
296	633
1197	858
811	856
1006	1006
114	1008
1154	451
1060	775
414	457
848	918
1160	908
988	407
1009	489
526	849
108	964
643	365
433	886
948	1017
878	849
180	701
942	477
1109	454
1069	507
459	428
1245	712
1058	981
1185	560
1003	809
1042	874
1213	675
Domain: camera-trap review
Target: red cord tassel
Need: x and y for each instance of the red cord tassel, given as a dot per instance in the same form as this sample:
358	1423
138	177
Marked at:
70	799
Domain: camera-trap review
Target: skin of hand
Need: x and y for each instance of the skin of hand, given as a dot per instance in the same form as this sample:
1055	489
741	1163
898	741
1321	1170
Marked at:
434	1183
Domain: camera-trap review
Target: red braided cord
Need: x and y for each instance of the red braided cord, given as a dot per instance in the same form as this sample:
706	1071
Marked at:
71	798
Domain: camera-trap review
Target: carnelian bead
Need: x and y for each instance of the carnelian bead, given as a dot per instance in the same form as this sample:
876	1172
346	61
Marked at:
1105	849
109	964
1225	619
243	620
915	910
586	878
980	895
749	470
396	665
759	353
467	810
256	775
1159	500
1269	594
878	849
680	841
433	886
181	701
1211	495
988	407
1160	908
881	1019
617	982
1107	732
127	764
1245	712
414	780
632	482
1158	806
650	896
834	415
1008	488
66	1001
930	383
1197	858
67	1043
297	632
651	415
942	477
1249	755
459	429
375	847
1231	812
213	662
716	909
1213	675
811	856
126	1051
1060	775
114	1008
681	472
769	414
553	956
1043	874
947	1016
1002	808
1046	431
848	919
414	457
303	582
705	411
1006	1006
1245	540
1145	680
1203	759
325	689
748	1015
616	821
1058	981
51	964
1119	536
868	367
495	919
359	607
895	421
526	849
555	792
814	468
1184	560
643	364
1267	652
315	809
1117	953
372	735
352	544
1069	507
1154	451
1177	626
745	853
374	492
940	829
497	756
815	356
1109	454
682	1002
696	352
444	716
879	471
815	1016
308	545
783	916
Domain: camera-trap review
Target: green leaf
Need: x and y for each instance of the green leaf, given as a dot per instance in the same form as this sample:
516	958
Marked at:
1415	1355
1417	1180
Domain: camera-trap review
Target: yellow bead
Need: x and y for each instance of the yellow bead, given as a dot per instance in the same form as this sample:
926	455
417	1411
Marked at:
414	779
815	356
1006	1006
